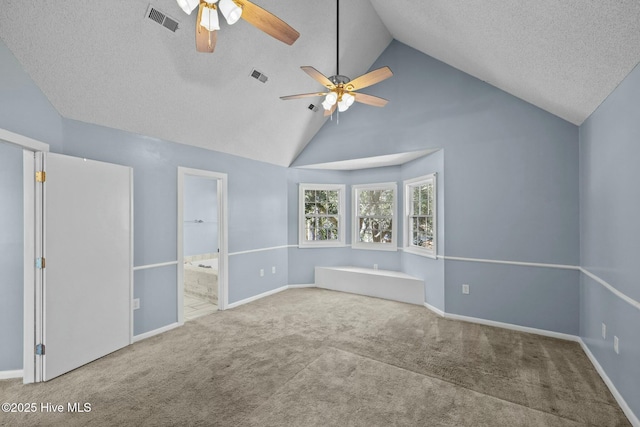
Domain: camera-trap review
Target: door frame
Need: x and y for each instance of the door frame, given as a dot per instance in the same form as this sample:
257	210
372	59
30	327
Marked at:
223	256
31	280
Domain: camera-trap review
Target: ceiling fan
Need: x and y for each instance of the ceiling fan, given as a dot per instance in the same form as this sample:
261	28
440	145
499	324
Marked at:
207	23
342	90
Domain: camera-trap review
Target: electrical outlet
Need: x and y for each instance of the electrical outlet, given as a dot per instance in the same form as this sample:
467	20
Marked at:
262	272
604	331
465	289
375	266
273	270
616	344
136	303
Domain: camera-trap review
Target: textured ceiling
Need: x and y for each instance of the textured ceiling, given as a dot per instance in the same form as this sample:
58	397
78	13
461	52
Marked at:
105	63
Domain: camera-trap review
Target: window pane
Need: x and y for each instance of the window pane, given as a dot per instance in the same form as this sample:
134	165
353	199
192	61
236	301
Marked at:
421	216
429	226
310	208
322	234
310	227
385	209
415	202
386	196
309	196
424	200
333	234
332	208
429	243
325	223
364	230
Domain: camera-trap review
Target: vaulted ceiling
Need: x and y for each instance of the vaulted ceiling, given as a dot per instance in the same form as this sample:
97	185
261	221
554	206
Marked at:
106	63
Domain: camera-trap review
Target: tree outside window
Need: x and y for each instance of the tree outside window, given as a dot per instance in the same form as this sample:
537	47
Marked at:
374	212
420	214
321	216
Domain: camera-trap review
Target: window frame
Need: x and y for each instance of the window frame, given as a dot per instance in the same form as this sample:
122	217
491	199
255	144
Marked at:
407	216
355	235
302	241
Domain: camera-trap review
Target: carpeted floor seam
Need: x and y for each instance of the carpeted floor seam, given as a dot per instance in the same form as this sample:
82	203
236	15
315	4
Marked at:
452	383
283	385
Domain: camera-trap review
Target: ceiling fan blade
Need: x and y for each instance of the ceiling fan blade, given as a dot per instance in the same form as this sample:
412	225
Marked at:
318	76
370	99
267	22
205	40
303	95
369	79
330	112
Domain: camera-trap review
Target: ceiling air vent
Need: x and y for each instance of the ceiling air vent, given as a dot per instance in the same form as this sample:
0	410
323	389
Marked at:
162	19
259	76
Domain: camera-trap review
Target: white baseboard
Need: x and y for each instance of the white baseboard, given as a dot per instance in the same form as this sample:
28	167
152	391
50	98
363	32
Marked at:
257	297
271	292
5	375
304	285
513	327
614	391
435	309
158	331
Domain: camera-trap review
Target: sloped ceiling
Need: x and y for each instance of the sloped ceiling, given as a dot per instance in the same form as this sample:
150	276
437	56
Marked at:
106	63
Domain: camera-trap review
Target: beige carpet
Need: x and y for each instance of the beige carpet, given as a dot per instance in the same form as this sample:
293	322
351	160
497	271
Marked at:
310	357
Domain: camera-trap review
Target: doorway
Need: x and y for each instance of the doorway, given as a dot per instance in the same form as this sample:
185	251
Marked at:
60	311
201	243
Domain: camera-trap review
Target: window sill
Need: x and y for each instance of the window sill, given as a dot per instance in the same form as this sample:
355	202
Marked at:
375	247
322	245
420	252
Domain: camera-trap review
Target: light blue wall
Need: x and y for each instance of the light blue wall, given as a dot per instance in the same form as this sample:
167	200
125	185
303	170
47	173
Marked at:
200	204
11	257
257	206
512	193
610	232
511	182
24	109
302	261
427	269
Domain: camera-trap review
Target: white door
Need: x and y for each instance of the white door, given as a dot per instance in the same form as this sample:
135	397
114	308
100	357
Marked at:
86	292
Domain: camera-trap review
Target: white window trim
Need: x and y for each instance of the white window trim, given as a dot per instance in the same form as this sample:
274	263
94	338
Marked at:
355	237
408	247
304	243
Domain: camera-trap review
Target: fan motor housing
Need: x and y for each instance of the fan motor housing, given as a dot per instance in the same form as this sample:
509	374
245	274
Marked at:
339	79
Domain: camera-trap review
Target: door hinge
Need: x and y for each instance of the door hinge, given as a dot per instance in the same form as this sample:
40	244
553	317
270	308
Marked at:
41	176
40	263
40	350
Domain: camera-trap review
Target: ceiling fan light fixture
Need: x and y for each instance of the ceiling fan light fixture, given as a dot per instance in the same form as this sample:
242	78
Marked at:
231	11
209	18
345	102
331	99
188	5
348	99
